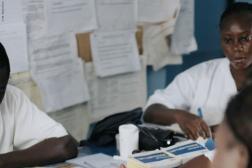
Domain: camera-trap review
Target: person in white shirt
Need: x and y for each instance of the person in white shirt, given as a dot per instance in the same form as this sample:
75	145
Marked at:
28	137
234	135
197	98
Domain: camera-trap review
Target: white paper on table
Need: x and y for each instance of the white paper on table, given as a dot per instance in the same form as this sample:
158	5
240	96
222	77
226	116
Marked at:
34	12
156	45
58	71
183	39
115	94
115	53
11	11
156	11
70	15
99	160
14	39
116	14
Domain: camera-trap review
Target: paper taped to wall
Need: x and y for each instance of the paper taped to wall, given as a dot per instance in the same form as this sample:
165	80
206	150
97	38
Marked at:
58	71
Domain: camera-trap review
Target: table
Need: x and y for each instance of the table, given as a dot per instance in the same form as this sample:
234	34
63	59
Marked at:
88	150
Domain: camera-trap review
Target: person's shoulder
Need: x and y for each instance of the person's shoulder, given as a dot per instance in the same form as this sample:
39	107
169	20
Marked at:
12	98
211	63
10	89
205	69
215	62
13	92
208	66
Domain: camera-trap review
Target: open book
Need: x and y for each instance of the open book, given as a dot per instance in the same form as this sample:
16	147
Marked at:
172	156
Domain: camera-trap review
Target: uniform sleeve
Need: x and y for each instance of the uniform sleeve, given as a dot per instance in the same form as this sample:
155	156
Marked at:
179	93
31	124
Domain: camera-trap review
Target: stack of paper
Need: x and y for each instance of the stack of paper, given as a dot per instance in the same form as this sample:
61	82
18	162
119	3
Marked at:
158	28
153	159
113	44
186	150
95	161
183	39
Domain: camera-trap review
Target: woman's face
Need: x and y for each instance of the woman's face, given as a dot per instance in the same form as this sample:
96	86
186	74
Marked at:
236	41
229	153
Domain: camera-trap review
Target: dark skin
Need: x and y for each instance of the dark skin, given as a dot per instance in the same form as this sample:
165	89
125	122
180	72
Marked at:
236	43
198	162
48	151
237	46
191	124
4	77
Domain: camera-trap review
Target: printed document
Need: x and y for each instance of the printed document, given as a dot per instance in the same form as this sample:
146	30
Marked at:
157	47
34	14
117	93
99	160
115	53
116	14
70	15
58	71
157	11
11	11
14	39
183	39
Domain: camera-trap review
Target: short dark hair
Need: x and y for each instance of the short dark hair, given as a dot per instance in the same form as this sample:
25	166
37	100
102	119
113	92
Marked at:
4	60
236	9
239	118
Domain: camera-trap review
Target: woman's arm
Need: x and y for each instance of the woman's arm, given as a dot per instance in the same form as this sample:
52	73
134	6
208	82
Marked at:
49	151
192	125
159	114
198	162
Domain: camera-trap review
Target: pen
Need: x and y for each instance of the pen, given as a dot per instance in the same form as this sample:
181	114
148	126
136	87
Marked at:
210	142
200	114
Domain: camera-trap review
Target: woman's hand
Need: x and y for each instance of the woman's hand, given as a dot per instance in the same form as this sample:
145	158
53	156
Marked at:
122	166
214	129
192	125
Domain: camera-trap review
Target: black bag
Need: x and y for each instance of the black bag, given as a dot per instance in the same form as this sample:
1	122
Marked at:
105	130
153	138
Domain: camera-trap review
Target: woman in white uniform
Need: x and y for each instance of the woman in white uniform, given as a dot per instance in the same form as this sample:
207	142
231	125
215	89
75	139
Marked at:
28	137
197	98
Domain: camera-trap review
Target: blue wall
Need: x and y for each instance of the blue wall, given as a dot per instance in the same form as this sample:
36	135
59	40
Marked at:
207	14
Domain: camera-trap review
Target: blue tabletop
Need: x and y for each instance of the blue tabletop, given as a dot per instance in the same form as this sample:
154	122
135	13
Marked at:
93	149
